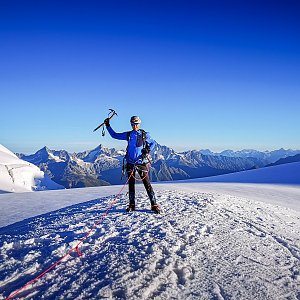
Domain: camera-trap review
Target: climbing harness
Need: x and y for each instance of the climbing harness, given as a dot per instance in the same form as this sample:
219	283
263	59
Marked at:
145	146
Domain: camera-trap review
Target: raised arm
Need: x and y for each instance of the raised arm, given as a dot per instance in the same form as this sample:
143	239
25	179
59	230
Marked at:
117	135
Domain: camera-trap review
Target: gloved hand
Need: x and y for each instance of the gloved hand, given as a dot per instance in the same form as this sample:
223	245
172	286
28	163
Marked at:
106	122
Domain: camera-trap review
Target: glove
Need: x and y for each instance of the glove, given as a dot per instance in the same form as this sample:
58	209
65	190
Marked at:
106	122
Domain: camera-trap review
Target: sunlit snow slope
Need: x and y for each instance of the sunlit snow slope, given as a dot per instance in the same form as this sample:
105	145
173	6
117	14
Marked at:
281	174
212	241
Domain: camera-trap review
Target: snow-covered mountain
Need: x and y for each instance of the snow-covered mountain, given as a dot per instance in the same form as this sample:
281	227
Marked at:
66	169
17	175
266	157
211	241
287	160
102	166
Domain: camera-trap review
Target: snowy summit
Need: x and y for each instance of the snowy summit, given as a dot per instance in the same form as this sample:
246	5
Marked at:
212	241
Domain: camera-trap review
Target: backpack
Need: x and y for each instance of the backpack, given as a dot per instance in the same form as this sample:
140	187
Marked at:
128	138
143	138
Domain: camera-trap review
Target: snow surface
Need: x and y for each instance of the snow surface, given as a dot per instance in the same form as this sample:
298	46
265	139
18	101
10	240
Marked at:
212	241
17	175
283	174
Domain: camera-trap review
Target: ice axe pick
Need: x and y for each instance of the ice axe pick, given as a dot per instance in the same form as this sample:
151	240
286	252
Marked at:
112	112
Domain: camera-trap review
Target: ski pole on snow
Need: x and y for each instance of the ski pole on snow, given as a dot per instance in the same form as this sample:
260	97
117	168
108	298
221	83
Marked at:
110	115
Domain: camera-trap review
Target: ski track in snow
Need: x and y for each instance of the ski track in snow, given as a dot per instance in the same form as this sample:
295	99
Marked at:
202	246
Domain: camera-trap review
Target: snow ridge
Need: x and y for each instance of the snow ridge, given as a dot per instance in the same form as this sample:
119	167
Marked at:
17	175
203	246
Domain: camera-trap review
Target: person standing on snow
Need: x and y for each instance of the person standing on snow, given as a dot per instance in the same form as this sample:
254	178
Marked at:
139	146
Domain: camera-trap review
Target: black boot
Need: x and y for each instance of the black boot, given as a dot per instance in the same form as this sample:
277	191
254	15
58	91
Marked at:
131	206
154	206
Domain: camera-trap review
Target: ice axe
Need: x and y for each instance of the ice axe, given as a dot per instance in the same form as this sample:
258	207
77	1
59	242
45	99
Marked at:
112	112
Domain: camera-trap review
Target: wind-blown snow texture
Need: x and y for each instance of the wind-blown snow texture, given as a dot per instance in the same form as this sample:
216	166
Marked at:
212	241
205	245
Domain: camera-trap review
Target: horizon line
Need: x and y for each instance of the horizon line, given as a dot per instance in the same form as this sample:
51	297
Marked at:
172	148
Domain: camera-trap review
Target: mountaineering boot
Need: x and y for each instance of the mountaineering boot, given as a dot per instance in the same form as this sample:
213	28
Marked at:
131	206
155	208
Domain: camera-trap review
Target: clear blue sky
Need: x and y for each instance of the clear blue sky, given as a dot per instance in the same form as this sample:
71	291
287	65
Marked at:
200	74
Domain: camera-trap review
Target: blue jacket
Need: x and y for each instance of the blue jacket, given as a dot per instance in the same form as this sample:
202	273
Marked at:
135	143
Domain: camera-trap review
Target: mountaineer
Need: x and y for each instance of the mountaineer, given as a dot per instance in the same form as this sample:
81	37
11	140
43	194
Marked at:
137	159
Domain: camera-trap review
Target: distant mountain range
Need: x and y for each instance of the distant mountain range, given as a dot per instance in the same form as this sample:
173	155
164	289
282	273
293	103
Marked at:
103	166
286	160
267	157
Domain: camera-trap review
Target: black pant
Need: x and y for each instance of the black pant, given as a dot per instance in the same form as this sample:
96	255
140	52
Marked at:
143	172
